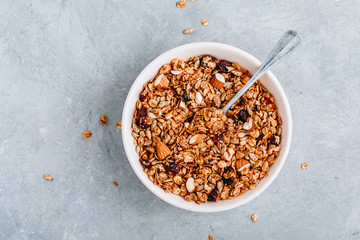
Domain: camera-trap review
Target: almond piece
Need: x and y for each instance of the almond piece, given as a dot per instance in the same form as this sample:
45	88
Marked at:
204	22
162	150
248	125
168	115
175	72
218	81
190	185
151	115
188	31
182	105
48	177
198	98
228	154
196	139
161	82
241	164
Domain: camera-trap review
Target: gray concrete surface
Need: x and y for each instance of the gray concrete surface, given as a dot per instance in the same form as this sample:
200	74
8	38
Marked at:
64	63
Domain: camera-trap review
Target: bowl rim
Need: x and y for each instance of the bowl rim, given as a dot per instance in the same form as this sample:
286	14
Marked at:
217	207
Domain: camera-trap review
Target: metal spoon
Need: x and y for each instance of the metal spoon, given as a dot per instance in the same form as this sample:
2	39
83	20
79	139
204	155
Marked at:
287	44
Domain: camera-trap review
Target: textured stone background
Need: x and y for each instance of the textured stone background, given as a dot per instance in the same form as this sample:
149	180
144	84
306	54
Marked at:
64	63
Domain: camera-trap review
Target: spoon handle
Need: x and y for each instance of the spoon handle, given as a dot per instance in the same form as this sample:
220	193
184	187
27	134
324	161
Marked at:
287	43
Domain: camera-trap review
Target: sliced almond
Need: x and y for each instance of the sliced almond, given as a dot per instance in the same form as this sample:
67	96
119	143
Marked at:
196	139
248	125
198	98
241	164
228	154
218	81
182	105
175	72
161	82
190	185
151	115
168	115
162	150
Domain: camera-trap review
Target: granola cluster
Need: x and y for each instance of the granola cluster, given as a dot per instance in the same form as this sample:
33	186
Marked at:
188	146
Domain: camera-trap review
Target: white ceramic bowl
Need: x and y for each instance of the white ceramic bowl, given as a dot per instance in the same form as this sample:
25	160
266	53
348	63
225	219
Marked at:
220	51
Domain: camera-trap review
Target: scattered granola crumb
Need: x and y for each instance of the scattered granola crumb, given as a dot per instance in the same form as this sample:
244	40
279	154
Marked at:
304	166
204	22
116	184
103	120
254	217
211	237
86	134
188	31
119	125
48	177
181	4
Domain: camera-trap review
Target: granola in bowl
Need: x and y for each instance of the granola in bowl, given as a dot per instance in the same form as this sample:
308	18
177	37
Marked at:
188	146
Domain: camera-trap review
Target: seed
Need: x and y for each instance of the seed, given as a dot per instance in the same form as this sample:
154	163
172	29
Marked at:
223	64
86	134
204	22
181	4
103	120
119	125
116	184
48	177
188	31
254	217
304	166
243	115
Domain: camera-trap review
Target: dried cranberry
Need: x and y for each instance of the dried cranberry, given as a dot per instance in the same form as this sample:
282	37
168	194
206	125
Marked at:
142	97
141	118
174	168
223	64
213	195
228	181
243	115
272	140
145	163
218	137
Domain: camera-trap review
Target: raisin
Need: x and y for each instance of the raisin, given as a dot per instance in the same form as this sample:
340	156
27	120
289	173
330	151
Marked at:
142	97
213	195
223	64
242	101
174	168
243	115
228	181
186	97
272	140
218	137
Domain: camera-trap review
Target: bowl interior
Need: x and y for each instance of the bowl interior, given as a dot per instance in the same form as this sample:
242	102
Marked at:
220	51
